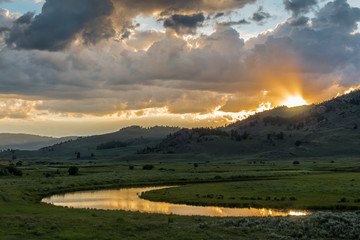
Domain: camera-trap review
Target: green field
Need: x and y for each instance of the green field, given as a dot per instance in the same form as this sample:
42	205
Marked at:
315	183
312	192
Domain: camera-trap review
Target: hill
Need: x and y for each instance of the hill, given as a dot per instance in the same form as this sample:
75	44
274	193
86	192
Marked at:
126	141
328	128
28	141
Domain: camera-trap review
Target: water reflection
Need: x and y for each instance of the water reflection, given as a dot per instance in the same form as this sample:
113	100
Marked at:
128	200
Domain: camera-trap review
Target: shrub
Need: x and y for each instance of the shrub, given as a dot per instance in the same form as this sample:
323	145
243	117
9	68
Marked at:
196	164
3	172
148	167
280	136
13	170
131	167
296	162
73	170
343	200
171	219
47	175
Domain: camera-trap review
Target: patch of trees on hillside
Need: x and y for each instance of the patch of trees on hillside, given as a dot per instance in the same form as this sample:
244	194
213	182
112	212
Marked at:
209	132
296	122
111	145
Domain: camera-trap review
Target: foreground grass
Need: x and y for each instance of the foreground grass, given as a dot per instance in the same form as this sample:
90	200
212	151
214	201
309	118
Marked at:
23	217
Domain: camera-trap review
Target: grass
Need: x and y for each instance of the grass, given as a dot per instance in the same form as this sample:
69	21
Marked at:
320	191
23	217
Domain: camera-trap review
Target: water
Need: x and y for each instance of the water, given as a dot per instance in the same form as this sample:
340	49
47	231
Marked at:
128	200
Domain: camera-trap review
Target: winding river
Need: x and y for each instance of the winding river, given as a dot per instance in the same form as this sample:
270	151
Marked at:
128	199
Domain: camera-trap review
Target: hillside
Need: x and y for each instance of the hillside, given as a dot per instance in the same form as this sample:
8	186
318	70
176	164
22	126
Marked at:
325	129
107	146
328	128
28	141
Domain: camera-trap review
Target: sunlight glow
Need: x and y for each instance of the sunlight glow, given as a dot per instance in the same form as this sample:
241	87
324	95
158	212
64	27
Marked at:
351	90
294	101
234	116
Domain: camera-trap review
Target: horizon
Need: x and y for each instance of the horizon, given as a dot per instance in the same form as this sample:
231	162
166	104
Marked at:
291	105
167	64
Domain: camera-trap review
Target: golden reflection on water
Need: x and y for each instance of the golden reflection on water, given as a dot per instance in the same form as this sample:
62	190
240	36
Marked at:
128	200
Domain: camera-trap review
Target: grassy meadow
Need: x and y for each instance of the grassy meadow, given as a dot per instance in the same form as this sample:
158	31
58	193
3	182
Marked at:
325	184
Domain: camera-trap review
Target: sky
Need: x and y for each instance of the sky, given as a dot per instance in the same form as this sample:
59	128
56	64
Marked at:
83	67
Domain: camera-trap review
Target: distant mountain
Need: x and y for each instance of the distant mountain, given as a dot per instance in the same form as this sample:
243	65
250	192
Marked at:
126	141
328	128
28	141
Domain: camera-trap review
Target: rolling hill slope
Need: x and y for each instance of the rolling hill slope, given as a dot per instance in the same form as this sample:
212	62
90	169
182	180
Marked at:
328	128
126	141
28	141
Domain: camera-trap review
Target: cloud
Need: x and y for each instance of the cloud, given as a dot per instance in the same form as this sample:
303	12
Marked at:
233	23
16	108
220	14
184	24
337	15
259	16
142	40
6	18
298	7
6	21
61	22
300	21
192	75
89	21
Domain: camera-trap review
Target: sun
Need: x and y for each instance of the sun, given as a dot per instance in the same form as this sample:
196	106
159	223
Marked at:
294	101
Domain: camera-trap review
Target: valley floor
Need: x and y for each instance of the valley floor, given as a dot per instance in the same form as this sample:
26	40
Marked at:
325	184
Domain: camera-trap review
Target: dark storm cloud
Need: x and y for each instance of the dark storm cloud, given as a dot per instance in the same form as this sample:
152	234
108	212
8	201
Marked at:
220	14
4	29
298	7
234	23
184	24
260	15
337	15
60	22
25	19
